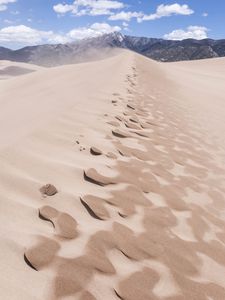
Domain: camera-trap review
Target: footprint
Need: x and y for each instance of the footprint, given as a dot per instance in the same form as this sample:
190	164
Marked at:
93	176
95	207
65	226
146	126
134	119
47	213
118	295
138	285
41	255
131	106
48	190
119	118
114	123
142	134
122	215
120	133
95	151
111	155
132	126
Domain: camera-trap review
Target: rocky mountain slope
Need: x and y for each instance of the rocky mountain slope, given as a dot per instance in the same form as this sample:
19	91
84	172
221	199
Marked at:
157	49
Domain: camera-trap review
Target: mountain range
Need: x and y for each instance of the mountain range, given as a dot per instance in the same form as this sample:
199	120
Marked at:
157	49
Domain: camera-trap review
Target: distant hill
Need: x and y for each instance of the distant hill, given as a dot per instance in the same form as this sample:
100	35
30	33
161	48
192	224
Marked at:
157	49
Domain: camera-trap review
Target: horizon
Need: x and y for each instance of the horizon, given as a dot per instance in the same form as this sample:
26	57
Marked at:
28	23
77	41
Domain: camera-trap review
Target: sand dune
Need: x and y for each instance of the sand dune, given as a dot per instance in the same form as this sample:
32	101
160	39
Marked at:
10	69
112	181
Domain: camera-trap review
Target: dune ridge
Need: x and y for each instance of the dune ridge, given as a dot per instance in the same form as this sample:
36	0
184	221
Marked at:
10	69
112	182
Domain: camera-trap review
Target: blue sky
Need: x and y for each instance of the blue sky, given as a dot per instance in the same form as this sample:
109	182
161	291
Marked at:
31	22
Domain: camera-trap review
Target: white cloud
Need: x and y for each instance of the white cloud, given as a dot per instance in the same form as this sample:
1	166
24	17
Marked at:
192	32
205	14
95	30
24	34
3	4
125	16
63	8
167	11
89	7
6	1
113	9
29	36
125	26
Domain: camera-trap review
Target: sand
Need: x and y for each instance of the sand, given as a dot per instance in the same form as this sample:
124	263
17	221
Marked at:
112	181
10	69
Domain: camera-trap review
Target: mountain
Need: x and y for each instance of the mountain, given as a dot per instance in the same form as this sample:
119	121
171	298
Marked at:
5	53
87	49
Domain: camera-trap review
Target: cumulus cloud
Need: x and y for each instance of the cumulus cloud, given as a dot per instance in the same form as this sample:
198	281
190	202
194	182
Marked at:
3	4
89	7
192	32
25	35
63	8
95	30
114	8
125	16
167	11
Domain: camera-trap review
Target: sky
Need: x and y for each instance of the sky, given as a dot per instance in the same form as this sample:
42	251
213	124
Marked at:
32	22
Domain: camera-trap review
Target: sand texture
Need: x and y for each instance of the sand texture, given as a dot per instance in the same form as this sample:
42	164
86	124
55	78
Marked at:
112	181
